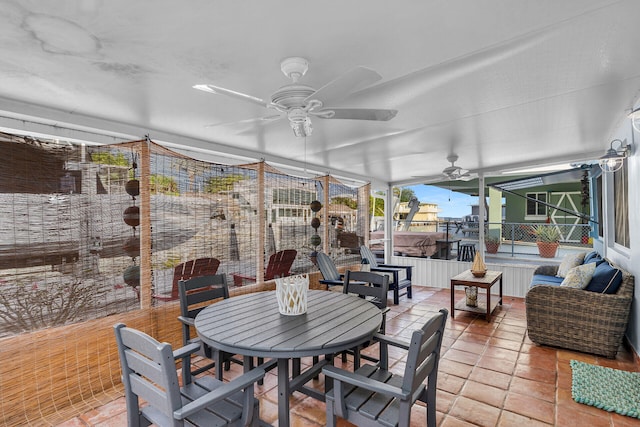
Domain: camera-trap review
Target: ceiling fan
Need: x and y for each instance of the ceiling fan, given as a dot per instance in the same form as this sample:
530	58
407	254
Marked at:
454	172
299	101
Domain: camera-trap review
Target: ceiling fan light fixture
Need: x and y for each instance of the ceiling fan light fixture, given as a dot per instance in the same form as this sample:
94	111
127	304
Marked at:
301	128
613	159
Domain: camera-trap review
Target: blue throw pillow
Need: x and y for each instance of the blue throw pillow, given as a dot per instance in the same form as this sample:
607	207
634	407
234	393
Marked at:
592	256
605	280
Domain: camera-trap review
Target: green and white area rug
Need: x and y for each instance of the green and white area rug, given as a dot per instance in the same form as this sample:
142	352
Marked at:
605	388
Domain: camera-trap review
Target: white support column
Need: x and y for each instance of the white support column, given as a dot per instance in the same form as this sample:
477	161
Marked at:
388	225
481	213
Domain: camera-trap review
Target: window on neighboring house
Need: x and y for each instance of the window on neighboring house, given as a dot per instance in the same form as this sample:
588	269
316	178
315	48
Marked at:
536	210
621	203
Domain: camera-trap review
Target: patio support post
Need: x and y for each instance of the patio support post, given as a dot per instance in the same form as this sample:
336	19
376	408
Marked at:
388	225
145	223
481	207
262	229
325	217
364	194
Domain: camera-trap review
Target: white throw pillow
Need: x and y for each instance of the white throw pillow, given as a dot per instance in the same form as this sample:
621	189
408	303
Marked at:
568	262
580	276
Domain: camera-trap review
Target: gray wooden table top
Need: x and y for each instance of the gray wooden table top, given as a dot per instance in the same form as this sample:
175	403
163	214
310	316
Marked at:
252	325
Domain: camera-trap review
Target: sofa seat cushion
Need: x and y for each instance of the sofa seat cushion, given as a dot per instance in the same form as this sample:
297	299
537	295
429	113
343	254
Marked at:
541	279
606	279
580	276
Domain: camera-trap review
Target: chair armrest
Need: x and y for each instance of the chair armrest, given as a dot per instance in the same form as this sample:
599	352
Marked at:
331	282
187	350
239	278
395	268
386	339
189	321
546	270
406	267
225	390
358	380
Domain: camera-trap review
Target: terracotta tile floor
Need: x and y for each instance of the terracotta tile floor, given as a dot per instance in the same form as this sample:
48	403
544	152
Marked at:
490	375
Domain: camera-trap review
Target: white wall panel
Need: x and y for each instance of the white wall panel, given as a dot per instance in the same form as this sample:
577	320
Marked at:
437	273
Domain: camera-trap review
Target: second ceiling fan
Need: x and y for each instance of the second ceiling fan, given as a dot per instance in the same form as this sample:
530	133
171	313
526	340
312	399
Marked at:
298	101
456	173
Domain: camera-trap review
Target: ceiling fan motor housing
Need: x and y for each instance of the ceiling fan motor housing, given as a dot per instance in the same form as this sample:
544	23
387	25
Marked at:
292	95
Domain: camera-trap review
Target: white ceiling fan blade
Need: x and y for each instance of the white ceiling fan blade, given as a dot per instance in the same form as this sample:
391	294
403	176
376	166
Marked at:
351	81
232	93
360	114
260	120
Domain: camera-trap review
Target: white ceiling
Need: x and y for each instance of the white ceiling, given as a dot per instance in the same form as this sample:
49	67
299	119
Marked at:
501	83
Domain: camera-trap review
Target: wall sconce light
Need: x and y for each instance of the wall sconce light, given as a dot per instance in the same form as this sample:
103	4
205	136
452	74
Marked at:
635	118
614	157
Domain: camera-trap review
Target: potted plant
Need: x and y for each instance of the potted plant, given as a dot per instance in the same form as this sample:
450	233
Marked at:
547	239
491	243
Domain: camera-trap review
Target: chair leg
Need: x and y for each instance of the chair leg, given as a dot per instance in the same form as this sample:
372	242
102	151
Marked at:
396	296
316	359
186	370
409	294
328	381
431	405
331	415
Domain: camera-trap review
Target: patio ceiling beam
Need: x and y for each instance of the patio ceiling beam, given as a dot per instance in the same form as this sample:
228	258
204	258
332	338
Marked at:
44	122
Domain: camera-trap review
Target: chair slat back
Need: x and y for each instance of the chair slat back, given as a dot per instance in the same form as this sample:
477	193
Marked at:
424	352
279	264
365	252
193	268
367	284
148	372
198	290
327	267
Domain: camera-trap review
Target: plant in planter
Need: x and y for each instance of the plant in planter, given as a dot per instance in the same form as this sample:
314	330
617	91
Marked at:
547	239
491	243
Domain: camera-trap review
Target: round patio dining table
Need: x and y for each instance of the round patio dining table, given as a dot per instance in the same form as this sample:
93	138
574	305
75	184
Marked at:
251	325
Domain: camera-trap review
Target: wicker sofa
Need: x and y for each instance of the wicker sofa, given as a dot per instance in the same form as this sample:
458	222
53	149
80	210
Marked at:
578	319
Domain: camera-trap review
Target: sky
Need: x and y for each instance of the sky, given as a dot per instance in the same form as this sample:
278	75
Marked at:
450	203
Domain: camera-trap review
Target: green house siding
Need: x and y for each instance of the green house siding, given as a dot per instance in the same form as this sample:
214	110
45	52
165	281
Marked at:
567	196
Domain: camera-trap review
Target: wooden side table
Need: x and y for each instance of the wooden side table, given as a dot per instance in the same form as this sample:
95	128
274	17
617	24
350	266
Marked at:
485	306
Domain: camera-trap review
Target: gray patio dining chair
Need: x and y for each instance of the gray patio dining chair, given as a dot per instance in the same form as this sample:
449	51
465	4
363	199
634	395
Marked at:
373	395
196	294
374	288
400	274
149	374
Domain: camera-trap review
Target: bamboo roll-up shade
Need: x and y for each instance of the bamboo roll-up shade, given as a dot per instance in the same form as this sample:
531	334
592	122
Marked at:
74	235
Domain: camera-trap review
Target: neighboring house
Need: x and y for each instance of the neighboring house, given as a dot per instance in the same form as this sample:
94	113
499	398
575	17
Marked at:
424	219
